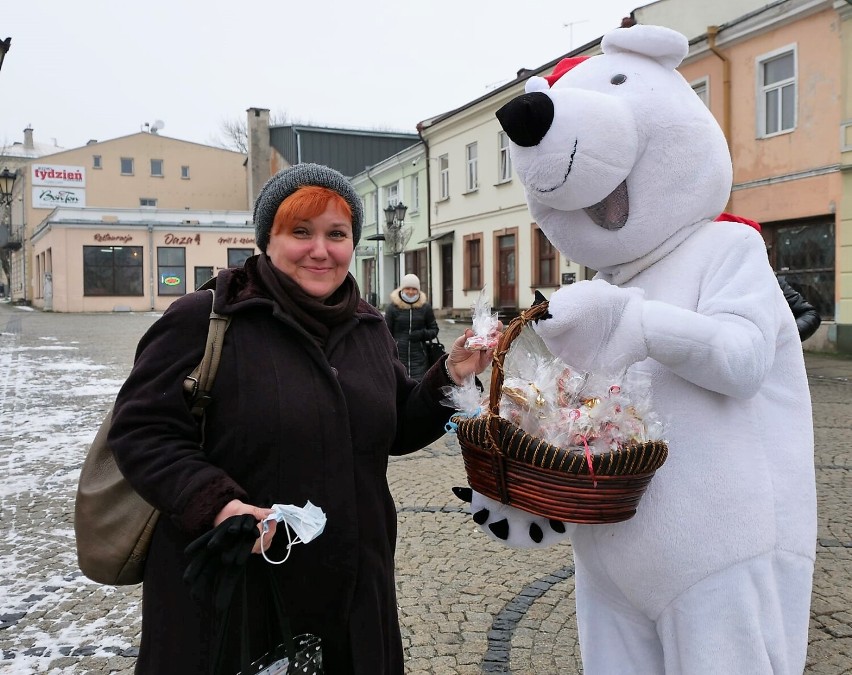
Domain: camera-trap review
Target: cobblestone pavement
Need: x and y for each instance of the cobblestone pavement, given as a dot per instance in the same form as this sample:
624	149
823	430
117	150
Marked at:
466	605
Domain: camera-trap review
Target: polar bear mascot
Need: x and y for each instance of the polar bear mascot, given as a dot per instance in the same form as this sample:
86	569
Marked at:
625	170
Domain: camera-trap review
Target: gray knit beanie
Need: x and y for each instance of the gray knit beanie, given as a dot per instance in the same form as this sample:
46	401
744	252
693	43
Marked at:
286	182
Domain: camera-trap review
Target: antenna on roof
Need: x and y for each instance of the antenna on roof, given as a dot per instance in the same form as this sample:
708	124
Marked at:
158	124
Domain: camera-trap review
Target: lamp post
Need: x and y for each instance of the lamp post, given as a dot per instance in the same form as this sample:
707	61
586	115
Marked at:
7	184
395	237
5	45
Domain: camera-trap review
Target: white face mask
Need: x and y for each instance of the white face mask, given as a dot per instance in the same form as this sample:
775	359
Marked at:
409	297
307	522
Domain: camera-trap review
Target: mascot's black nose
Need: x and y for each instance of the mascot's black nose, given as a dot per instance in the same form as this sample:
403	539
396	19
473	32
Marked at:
527	118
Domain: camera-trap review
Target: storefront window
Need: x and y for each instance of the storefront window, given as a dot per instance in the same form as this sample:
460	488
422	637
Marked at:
171	270
112	270
202	276
803	254
237	256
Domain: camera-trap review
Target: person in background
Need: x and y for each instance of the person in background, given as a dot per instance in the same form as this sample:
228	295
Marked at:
806	315
412	323
309	402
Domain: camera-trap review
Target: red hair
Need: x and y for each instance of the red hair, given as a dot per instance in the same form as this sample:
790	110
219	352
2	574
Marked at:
306	202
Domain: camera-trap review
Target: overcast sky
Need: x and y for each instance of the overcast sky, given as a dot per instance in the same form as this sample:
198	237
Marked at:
103	68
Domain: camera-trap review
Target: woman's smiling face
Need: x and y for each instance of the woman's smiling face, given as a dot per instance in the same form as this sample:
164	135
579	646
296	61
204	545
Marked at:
315	252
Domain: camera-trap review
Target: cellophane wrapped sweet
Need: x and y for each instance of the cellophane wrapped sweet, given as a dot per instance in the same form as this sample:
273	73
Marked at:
567	407
486	325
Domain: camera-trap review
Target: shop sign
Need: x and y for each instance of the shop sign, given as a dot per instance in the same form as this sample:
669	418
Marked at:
236	240
107	238
51	197
181	240
171	281
59	175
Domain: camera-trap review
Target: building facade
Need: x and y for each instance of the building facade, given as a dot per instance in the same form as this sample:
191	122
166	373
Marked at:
107	260
390	250
777	78
141	171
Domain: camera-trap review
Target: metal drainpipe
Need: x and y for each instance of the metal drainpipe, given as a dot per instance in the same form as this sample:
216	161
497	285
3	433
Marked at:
151	262
712	33
428	213
379	298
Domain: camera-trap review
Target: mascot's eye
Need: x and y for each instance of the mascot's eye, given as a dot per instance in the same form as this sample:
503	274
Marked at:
618	79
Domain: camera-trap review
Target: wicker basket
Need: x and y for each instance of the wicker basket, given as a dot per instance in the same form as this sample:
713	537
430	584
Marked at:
505	463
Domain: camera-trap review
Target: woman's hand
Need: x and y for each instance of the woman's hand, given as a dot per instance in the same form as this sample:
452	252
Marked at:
237	508
462	363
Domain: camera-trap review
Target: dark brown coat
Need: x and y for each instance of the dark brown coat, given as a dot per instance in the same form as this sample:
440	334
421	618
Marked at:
288	423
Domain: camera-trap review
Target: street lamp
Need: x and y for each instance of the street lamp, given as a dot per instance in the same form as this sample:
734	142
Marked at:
5	45
7	183
396	236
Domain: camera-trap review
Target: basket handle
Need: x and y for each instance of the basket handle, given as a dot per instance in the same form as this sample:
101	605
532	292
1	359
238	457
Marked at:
509	334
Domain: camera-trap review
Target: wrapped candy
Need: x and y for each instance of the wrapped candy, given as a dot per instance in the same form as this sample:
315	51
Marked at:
567	407
485	325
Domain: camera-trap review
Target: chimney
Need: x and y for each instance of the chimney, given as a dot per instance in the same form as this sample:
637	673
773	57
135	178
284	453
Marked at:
28	138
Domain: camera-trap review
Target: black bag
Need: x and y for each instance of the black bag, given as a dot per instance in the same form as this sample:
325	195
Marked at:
294	654
434	351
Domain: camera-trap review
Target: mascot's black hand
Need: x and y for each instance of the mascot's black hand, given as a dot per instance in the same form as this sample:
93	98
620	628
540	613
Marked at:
217	560
500	528
539	298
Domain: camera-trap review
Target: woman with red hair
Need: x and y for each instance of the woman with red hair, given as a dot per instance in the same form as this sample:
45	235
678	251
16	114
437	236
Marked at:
309	402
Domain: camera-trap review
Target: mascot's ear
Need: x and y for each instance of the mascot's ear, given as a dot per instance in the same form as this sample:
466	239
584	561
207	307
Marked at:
536	83
664	45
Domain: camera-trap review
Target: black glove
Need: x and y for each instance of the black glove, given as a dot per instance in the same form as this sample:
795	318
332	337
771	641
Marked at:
217	560
500	528
416	335
538	299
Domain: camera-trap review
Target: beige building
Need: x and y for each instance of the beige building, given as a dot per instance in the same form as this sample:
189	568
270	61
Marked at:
778	78
106	260
142	171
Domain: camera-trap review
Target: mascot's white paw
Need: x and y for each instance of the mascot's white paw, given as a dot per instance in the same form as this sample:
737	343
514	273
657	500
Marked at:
595	326
514	527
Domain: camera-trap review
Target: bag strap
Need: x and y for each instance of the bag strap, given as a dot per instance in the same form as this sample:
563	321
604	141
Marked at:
199	382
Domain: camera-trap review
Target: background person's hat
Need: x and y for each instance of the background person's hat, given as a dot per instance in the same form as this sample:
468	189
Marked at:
410	281
287	181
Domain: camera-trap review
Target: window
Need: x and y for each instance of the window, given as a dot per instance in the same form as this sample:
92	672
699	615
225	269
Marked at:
545	260
171	270
415	194
472	168
112	270
416	263
147	201
237	256
392	194
157	167
444	177
96	162
702	90
202	276
803	253
505	169
184	172
777	93
126	166
473	262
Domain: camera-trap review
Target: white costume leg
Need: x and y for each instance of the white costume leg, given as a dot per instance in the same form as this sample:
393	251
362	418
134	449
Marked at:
749	619
614	636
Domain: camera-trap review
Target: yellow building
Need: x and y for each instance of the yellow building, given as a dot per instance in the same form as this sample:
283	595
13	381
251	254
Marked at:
145	172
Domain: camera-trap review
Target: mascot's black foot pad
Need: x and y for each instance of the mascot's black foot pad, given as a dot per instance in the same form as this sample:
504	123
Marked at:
535	533
464	493
500	529
481	516
557	526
